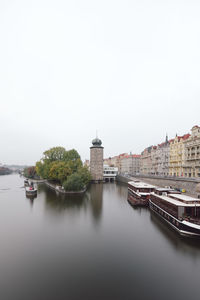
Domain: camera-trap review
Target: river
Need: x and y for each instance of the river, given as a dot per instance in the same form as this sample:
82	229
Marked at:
91	247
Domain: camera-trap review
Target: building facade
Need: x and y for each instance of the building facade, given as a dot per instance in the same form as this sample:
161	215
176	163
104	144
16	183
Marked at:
130	164
146	161
109	173
155	159
177	155
191	167
96	160
163	158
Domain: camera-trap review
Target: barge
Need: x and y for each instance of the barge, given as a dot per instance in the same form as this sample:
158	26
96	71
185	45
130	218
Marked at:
139	193
181	212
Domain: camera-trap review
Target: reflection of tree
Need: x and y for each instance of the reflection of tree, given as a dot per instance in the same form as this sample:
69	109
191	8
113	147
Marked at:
59	202
96	194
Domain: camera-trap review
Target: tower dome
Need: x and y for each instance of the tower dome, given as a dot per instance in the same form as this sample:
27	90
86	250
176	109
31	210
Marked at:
96	142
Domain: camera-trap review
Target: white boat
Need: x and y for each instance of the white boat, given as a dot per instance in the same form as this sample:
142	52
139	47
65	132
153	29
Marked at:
139	193
31	190
26	182
181	212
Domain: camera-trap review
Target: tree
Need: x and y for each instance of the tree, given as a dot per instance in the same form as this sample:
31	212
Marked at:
74	183
42	169
85	174
59	170
59	165
30	172
55	153
71	155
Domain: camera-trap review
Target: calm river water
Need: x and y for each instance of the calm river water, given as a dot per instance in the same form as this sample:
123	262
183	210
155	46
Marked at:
91	247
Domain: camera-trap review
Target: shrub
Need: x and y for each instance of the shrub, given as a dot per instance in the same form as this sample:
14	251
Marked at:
74	182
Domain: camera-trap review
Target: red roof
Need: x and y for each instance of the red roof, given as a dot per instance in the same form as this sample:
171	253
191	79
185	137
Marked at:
195	126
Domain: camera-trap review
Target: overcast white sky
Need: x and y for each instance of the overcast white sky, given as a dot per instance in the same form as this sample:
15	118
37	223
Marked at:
130	69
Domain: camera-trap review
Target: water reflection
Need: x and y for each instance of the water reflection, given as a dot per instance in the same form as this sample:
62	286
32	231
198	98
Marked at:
31	198
180	243
58	203
56	252
95	196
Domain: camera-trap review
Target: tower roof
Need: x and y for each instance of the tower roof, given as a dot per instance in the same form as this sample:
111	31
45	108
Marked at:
96	142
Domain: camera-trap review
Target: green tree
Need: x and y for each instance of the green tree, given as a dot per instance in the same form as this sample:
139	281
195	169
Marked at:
55	153
85	174
59	170
71	155
74	182
64	167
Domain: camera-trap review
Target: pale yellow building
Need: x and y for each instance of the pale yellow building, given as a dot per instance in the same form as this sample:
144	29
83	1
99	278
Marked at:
177	155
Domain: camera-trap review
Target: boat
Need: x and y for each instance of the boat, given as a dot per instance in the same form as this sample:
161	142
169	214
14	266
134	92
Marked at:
31	190
180	211
26	182
139	193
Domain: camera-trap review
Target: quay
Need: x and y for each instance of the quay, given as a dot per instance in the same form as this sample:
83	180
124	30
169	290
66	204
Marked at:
191	185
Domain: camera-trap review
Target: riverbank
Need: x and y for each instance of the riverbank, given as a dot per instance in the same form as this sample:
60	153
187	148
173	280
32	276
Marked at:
36	180
61	190
190	185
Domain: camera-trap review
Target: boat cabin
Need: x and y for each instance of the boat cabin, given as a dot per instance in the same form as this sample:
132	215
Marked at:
180	206
140	187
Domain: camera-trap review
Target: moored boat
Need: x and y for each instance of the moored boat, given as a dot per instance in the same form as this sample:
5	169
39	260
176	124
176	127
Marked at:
31	190
26	182
180	211
139	193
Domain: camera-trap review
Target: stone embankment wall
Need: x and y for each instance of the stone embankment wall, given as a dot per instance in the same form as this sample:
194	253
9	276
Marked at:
60	190
189	185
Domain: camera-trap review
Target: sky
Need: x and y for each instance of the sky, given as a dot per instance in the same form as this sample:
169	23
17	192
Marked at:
128	69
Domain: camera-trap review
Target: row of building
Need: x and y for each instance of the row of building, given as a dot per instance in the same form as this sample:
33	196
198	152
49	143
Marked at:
176	157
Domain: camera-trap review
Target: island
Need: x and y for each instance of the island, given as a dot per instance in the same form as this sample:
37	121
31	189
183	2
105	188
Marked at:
63	170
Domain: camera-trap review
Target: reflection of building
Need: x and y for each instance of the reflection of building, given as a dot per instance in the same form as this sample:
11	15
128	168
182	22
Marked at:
96	201
96	160
109	173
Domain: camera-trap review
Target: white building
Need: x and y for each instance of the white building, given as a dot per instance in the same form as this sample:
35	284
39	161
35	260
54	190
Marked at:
109	173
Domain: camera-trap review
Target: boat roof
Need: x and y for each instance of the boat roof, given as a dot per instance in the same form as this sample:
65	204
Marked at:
175	199
140	184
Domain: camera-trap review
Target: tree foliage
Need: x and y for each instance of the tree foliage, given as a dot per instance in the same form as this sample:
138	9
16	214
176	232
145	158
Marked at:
30	172
59	165
55	153
74	183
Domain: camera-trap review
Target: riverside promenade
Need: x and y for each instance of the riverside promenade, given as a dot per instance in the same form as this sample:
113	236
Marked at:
191	185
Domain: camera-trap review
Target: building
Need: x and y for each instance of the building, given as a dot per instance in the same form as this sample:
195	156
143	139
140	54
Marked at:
163	158
96	160
130	164
109	173
191	167
177	155
146	161
155	159
87	163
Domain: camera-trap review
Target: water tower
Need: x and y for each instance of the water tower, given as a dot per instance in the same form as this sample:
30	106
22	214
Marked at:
96	160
